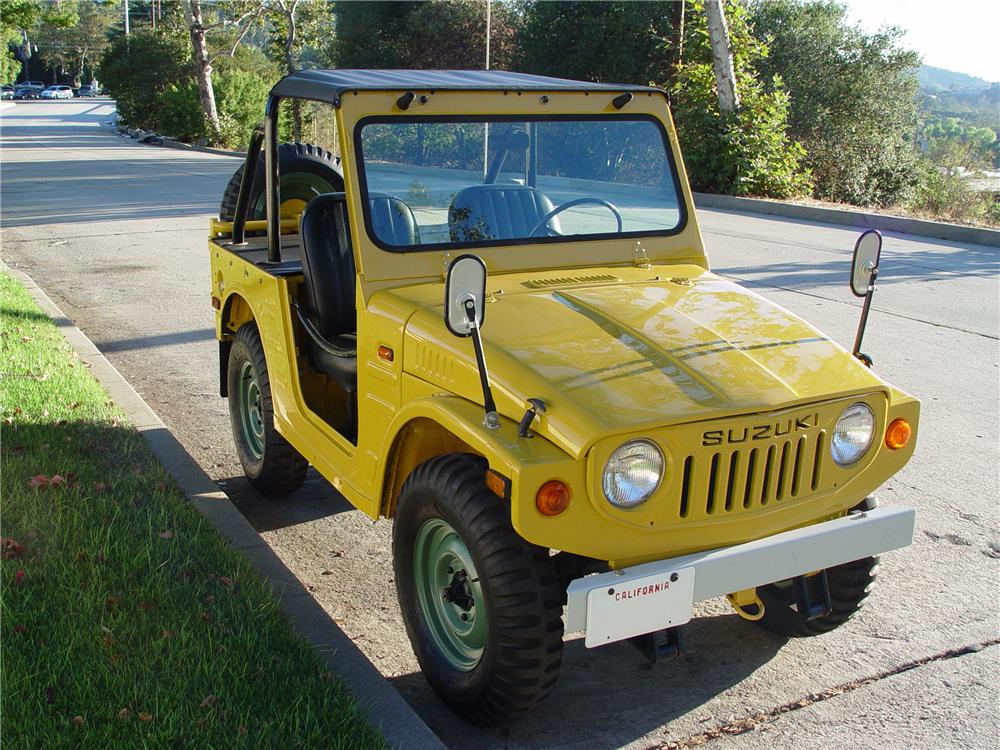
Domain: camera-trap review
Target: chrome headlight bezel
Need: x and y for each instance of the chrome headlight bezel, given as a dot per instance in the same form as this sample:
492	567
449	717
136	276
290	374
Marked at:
642	450
848	443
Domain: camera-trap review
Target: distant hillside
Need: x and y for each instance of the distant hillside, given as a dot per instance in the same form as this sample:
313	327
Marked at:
932	78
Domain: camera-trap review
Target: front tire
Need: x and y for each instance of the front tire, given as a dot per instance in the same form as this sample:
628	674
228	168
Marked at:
482	607
271	464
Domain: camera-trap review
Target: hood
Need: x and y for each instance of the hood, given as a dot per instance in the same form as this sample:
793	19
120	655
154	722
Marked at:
626	357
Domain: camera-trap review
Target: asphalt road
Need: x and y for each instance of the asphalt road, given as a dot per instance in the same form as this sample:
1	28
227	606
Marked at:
115	233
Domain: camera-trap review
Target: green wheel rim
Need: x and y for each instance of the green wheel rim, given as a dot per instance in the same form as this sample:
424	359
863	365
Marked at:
251	414
449	594
300	186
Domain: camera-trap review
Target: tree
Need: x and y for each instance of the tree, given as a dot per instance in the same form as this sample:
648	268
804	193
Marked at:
746	152
722	57
853	98
371	34
621	42
293	26
452	35
139	67
18	18
73	47
237	15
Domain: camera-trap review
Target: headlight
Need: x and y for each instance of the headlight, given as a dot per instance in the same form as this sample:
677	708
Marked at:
853	434
632	473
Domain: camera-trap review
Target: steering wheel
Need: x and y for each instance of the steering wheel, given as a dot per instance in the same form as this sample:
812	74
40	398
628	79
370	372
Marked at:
576	202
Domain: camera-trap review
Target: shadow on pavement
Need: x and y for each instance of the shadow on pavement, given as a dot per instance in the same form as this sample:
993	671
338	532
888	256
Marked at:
610	696
315	499
134	182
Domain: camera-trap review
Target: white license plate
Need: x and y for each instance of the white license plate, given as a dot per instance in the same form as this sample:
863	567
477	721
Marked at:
641	605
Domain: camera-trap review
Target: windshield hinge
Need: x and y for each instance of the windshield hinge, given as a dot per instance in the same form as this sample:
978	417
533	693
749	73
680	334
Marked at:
639	256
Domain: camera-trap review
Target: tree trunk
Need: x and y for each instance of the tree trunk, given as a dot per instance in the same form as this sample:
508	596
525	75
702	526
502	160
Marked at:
290	67
722	57
676	44
203	67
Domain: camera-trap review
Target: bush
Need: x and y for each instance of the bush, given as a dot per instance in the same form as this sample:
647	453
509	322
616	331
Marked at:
239	99
137	69
944	189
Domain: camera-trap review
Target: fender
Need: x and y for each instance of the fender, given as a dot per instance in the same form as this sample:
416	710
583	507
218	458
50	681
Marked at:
460	423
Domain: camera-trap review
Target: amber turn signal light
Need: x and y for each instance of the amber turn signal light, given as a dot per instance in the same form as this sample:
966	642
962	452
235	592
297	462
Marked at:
552	498
898	433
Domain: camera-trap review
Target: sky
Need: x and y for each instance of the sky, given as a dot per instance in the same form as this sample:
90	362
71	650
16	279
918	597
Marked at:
960	35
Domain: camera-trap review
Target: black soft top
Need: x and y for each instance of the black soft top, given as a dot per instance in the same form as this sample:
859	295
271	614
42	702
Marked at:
330	85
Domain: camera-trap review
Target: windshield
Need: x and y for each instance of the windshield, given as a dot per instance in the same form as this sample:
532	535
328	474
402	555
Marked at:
432	183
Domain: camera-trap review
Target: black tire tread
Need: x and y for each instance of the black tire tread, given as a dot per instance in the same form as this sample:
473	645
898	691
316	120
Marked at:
526	591
850	584
282	469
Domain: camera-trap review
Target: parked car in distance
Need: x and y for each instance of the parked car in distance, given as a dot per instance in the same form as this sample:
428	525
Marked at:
28	90
86	90
57	92
6	92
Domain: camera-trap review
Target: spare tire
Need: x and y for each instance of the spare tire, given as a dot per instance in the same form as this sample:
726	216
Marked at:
306	171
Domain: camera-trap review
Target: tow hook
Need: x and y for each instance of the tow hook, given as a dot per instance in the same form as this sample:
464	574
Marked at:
660	644
458	592
747	604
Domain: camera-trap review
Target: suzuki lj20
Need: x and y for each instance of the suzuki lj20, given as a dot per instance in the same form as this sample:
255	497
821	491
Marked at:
490	318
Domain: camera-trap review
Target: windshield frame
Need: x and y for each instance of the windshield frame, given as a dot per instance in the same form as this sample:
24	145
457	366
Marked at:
525	117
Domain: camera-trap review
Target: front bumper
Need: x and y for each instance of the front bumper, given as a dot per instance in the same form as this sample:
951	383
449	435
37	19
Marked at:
652	604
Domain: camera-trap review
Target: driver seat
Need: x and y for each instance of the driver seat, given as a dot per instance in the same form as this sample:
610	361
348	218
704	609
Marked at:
327	310
497	212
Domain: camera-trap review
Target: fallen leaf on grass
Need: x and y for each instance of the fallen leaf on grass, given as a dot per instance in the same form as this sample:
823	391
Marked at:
225	581
168	534
100	487
20	629
210	700
206	617
19	576
38	481
79	721
124	714
166	634
143	716
12	548
145	606
25	339
110	602
57	481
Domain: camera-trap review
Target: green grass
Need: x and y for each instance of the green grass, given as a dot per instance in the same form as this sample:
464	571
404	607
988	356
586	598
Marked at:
126	619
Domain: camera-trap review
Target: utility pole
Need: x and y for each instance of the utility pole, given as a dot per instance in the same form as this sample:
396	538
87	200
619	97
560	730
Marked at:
722	57
486	127
126	17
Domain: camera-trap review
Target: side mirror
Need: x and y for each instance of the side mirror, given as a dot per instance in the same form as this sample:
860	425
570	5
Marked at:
464	310
867	251
465	294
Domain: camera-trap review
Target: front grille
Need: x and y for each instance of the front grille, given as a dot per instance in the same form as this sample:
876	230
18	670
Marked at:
749	477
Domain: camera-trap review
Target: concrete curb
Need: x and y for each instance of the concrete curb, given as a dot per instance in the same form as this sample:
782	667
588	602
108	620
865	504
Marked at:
170	143
383	705
860	219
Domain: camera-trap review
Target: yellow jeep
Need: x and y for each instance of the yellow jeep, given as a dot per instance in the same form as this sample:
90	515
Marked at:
486	313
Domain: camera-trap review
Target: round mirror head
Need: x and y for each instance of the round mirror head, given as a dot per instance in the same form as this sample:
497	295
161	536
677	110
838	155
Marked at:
465	288
866	256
